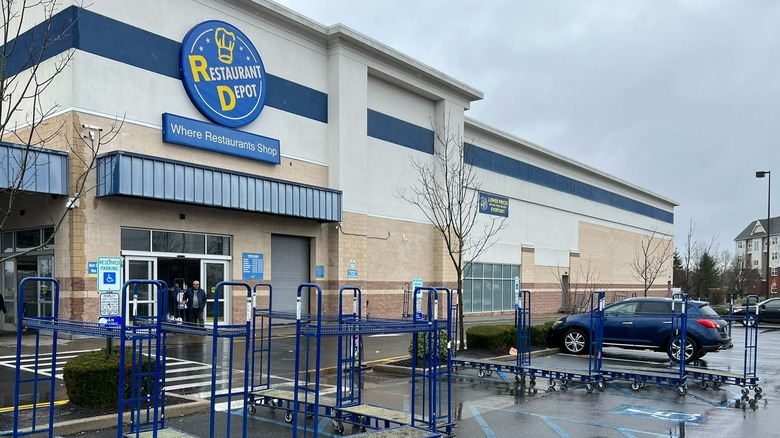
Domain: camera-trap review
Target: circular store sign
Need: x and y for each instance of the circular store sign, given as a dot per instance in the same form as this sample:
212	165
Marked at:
222	73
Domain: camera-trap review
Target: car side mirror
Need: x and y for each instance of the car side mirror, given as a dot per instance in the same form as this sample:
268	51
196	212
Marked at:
763	307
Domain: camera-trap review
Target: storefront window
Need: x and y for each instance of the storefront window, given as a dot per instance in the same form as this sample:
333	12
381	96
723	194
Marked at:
165	241
174	242
47	233
7	242
489	287
194	243
27	239
135	240
218	245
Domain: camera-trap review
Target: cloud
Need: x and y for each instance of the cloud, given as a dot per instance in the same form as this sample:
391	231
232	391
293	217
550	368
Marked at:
680	98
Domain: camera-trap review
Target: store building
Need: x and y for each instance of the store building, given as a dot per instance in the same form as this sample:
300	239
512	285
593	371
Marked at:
260	146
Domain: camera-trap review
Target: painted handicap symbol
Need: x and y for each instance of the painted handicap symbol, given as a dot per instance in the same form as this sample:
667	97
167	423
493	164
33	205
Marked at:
109	278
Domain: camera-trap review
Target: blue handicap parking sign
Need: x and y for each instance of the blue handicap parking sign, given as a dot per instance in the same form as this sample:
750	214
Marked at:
109	277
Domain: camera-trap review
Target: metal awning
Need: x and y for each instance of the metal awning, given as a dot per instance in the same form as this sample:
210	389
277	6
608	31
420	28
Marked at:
127	174
33	169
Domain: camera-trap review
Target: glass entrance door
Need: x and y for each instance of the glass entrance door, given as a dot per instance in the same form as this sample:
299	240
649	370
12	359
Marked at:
36	298
10	290
214	271
141	297
45	290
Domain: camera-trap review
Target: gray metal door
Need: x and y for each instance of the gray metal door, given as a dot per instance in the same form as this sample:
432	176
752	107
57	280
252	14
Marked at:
289	268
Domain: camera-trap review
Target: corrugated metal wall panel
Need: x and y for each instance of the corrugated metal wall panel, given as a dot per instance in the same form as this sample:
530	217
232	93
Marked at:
122	173
46	171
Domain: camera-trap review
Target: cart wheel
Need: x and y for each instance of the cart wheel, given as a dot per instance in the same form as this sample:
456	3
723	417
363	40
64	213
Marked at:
288	416
481	373
758	390
642	384
745	391
682	390
309	415
251	409
551	383
361	419
564	383
489	372
271	404
589	388
759	397
338	426
600	386
703	384
635	386
745	398
533	379
717	384
519	378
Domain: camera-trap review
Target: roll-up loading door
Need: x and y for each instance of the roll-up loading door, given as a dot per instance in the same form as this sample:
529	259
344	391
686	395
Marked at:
289	268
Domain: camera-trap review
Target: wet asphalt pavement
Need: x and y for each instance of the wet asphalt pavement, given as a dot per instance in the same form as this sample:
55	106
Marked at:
498	406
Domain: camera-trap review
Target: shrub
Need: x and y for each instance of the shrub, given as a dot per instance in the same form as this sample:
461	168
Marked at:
492	337
539	333
92	378
500	338
422	345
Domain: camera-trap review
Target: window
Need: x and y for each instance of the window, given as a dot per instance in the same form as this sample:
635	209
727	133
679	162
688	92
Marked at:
755	263
14	241
739	245
174	242
756	244
774	240
774	256
489	287
655	307
135	240
27	239
773	272
622	309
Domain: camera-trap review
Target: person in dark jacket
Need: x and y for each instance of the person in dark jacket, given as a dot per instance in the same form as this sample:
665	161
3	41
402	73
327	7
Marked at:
196	303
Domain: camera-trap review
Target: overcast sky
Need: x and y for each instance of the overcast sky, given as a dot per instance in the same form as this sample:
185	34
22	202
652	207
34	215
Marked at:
681	98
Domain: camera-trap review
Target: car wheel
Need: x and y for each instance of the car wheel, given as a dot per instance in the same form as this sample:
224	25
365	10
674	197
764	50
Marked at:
574	341
750	322
675	346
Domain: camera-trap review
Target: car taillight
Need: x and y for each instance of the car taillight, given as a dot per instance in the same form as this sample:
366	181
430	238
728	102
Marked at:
708	323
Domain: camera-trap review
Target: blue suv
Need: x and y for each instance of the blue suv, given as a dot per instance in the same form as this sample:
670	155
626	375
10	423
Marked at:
646	324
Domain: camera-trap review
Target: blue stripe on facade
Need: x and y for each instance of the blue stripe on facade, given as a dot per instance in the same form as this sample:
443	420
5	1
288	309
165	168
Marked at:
390	129
503	165
102	36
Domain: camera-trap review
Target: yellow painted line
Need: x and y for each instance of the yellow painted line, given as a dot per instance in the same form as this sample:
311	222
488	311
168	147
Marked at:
24	407
389	359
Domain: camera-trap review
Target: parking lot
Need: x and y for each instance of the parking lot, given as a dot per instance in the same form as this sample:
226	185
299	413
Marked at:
498	406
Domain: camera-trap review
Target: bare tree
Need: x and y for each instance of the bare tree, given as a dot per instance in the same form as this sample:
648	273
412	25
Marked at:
30	62
740	279
447	193
652	259
583	280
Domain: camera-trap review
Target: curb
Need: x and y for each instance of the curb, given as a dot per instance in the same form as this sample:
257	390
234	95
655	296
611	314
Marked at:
108	421
407	371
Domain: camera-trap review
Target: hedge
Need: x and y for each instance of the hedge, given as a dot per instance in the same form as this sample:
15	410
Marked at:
500	338
92	378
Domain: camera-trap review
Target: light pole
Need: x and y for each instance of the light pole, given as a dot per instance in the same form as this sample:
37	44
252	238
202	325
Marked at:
768	174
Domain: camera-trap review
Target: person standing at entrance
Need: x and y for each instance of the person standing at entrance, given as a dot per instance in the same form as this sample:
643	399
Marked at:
196	302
